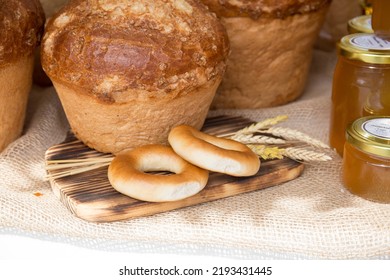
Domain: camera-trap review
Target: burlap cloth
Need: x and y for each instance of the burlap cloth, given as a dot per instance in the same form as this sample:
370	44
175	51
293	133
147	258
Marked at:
312	217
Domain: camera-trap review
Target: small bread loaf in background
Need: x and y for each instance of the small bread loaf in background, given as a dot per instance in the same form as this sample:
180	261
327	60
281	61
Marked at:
128	71
271	47
21	25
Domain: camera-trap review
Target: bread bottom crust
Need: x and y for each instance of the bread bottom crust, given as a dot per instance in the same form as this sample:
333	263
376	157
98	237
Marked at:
15	86
269	60
114	127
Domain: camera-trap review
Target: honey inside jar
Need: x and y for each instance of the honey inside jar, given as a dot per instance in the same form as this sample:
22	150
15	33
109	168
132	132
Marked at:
366	162
361	85
381	18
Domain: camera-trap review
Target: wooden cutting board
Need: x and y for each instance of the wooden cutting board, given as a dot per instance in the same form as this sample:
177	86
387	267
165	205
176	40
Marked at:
90	196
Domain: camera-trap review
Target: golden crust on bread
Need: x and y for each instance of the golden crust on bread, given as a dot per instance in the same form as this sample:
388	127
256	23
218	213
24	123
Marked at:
21	25
264	8
120	50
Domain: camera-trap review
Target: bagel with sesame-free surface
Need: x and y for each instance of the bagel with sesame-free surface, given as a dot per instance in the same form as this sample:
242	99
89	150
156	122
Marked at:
127	173
213	153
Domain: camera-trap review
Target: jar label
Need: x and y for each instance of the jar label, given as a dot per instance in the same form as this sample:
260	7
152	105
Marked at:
371	42
378	127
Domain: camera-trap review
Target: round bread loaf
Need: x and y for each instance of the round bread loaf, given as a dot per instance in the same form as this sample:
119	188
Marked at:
271	44
21	25
128	71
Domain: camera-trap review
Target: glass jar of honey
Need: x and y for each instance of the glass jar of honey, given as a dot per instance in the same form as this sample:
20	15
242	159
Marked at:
381	18
360	24
366	162
361	83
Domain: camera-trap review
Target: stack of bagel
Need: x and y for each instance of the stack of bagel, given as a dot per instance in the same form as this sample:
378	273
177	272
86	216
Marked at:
191	156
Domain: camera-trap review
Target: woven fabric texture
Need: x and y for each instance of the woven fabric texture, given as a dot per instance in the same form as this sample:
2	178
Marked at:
311	217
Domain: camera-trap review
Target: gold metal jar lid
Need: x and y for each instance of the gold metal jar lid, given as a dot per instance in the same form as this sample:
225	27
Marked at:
365	47
371	135
360	24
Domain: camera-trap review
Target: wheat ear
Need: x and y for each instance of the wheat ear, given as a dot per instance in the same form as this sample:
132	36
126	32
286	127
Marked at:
267	123
292	134
302	154
262	125
267	152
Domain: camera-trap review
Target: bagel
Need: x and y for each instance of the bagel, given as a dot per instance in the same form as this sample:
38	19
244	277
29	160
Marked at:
126	174
213	153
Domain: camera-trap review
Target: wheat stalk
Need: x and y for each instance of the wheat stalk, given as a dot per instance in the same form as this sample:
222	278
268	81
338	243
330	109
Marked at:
89	159
257	139
292	134
74	166
256	127
68	163
74	171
